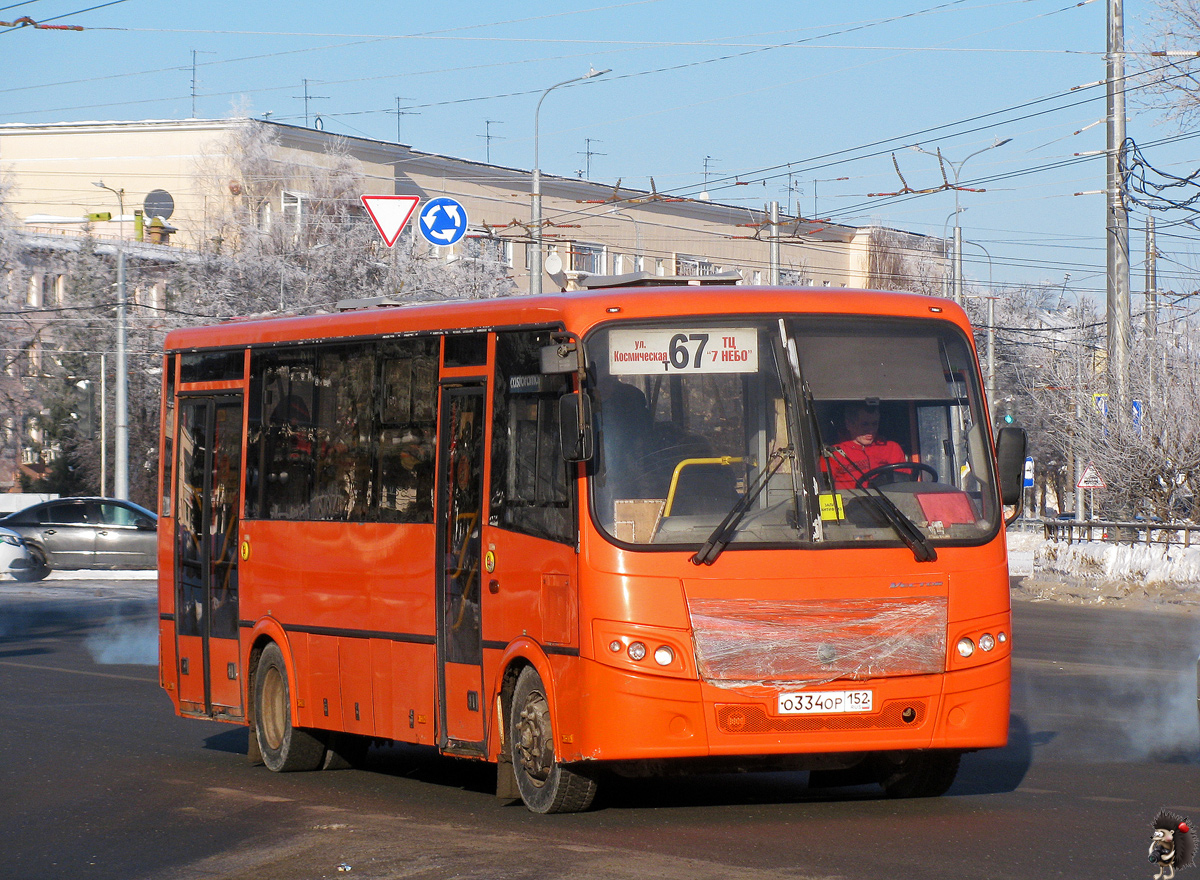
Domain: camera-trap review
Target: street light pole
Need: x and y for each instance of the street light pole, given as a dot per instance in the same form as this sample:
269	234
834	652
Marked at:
121	401
956	167
535	213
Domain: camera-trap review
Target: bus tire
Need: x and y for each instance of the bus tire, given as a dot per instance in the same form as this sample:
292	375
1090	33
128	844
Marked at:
918	774
546	786
284	748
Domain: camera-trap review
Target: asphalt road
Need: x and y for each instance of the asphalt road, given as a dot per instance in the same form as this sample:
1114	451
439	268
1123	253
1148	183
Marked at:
101	780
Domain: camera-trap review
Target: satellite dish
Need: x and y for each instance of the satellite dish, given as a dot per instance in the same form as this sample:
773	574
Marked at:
159	204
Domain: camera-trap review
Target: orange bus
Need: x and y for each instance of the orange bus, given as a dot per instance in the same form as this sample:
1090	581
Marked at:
620	530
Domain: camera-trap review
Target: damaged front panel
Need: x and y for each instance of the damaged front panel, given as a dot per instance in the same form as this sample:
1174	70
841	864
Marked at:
742	642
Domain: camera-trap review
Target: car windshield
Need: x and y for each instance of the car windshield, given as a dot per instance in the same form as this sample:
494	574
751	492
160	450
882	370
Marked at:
826	430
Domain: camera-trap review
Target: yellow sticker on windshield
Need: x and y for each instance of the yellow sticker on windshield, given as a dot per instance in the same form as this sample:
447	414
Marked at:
831	507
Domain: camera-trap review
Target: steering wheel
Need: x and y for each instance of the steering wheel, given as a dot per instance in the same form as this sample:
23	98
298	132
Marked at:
912	467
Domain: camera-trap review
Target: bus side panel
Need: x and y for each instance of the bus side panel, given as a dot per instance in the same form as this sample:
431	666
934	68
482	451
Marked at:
348	584
532	592
317	693
354	666
404	683
191	674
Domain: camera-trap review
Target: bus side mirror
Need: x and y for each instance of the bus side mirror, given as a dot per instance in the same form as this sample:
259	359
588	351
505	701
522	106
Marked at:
575	426
1010	461
562	357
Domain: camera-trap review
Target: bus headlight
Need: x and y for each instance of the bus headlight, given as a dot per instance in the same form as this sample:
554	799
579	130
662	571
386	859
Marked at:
664	656
637	651
986	642
966	647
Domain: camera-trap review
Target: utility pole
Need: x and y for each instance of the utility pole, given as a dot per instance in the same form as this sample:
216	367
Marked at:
1151	301
121	402
1117	225
773	212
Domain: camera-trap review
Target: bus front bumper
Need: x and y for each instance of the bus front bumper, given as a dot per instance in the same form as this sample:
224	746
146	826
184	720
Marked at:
631	717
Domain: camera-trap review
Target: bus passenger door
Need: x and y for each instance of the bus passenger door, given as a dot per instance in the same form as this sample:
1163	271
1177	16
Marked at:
459	542
206	554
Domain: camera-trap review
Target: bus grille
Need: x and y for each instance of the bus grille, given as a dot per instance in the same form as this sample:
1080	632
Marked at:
742	642
733	718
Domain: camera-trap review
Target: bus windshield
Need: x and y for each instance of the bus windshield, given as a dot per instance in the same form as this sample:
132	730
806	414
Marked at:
811	430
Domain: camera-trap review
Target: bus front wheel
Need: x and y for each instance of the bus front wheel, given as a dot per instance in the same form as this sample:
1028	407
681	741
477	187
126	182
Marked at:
918	774
284	747
546	786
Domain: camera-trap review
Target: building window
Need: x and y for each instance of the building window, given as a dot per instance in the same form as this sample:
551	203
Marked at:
626	263
588	258
694	266
293	208
487	249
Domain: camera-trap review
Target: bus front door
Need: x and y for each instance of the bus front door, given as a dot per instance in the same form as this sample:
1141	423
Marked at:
460	514
206	555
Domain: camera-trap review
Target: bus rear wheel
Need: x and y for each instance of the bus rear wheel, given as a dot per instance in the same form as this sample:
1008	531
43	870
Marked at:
546	786
918	774
284	747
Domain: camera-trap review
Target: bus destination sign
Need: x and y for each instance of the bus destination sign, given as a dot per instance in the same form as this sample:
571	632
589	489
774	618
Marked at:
653	351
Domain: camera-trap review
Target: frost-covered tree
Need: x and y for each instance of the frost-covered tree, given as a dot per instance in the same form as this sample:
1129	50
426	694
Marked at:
1171	83
902	261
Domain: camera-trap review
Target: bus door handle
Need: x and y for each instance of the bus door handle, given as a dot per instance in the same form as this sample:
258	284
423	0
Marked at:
493	586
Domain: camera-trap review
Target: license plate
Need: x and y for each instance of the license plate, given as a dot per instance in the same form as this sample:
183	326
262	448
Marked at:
825	702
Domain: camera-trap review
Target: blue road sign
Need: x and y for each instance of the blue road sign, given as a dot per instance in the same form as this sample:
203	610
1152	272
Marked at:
1029	472
443	221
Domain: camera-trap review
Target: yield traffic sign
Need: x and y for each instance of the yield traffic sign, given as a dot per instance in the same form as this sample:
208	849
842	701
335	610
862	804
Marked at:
390	213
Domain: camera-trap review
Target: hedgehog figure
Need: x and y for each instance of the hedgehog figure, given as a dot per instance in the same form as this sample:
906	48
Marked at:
1173	844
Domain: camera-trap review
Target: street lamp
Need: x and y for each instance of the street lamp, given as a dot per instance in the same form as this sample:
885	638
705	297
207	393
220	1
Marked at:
535	262
956	167
121	401
638	257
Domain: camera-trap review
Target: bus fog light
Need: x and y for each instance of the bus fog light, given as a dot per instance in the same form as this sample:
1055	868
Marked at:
664	656
966	647
637	651
1003	637
615	646
986	642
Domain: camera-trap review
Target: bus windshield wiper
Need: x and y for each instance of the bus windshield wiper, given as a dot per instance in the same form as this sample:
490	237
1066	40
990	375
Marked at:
719	539
909	532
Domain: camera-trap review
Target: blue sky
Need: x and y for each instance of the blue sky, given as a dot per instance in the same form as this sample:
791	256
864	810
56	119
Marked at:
781	98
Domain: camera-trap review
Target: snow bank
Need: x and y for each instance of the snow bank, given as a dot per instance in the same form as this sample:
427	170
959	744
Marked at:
1149	564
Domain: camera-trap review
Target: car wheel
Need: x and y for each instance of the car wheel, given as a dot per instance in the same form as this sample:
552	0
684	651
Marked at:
284	747
546	786
40	568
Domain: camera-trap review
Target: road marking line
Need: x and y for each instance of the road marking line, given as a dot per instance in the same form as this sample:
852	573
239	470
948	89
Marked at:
77	671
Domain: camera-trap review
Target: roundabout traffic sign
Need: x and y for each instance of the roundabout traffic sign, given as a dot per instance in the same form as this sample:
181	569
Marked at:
443	221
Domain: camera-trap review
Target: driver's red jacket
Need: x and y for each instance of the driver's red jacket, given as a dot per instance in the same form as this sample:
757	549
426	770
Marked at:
862	459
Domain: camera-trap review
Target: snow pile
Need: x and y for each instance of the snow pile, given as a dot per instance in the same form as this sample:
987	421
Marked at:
1149	564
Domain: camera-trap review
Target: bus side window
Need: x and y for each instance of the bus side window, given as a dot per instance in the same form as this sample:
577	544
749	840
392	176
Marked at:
530	485
284	442
407	408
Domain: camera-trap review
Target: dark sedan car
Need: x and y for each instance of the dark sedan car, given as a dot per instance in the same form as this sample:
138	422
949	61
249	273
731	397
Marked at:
88	533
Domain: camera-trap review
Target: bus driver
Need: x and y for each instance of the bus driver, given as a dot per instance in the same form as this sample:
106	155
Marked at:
864	449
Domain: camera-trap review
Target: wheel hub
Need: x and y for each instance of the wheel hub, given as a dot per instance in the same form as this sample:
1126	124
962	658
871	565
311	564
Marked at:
535	748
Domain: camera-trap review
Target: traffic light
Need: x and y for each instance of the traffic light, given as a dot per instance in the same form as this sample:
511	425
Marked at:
1007	411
